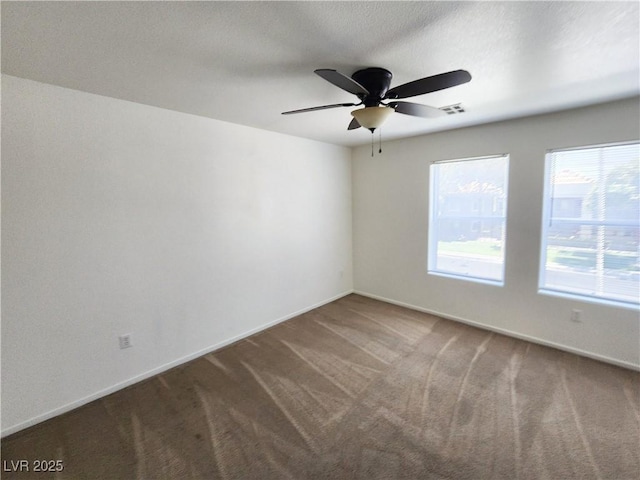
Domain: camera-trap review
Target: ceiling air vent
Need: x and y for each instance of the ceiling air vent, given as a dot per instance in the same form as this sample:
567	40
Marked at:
453	109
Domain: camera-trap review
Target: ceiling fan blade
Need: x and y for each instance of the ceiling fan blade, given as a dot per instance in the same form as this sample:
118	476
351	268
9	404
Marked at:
323	107
353	125
417	110
342	81
429	84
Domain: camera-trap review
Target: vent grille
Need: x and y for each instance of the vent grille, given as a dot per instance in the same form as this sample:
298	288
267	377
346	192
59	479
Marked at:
453	109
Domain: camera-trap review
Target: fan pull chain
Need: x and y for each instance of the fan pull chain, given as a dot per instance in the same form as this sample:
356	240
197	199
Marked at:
379	141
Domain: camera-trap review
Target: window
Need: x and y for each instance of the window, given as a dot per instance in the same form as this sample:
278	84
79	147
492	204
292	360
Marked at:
467	218
590	231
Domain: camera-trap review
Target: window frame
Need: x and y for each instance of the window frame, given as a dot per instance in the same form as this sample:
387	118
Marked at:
433	228
546	218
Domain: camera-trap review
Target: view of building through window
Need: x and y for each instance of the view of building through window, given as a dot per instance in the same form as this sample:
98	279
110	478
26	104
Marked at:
591	228
467	218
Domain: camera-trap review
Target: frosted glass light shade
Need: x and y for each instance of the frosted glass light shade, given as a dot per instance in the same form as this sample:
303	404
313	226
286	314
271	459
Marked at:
372	117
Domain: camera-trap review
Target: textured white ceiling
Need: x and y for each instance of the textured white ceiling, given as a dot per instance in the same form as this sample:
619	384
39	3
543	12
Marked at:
245	62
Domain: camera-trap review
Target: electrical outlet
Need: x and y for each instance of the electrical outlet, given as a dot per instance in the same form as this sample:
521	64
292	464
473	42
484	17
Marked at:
576	316
125	341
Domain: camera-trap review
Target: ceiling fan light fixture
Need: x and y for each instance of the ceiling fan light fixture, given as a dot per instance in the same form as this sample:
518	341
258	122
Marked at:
372	117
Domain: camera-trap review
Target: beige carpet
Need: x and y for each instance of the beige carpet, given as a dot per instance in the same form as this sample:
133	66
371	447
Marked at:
357	389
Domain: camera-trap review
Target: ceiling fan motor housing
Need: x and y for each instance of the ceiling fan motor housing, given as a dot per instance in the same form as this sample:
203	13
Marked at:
377	81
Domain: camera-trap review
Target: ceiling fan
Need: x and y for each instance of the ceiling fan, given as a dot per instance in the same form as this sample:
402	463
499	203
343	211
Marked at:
371	86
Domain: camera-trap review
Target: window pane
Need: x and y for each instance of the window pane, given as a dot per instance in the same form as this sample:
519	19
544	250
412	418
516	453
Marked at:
591	228
467	218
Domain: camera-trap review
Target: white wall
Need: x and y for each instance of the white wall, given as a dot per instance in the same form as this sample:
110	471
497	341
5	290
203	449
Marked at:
184	231
390	197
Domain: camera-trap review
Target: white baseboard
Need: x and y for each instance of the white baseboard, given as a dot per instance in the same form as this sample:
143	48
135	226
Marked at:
510	333
163	368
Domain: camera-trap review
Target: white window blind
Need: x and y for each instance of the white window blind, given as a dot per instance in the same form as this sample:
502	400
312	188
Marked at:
590	231
468	201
